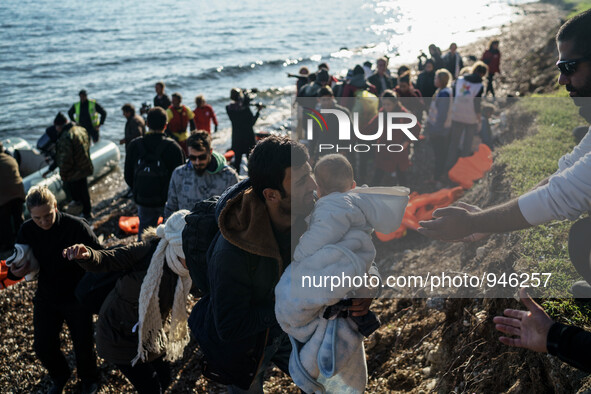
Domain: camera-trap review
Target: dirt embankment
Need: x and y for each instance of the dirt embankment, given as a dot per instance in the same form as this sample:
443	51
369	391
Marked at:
424	345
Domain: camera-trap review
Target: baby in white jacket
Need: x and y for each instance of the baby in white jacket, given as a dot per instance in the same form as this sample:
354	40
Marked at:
328	354
334	174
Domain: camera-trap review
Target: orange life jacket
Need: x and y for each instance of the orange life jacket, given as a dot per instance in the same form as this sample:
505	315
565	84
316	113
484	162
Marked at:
180	120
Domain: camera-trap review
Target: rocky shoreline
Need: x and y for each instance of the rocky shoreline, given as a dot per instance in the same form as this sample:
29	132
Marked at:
404	355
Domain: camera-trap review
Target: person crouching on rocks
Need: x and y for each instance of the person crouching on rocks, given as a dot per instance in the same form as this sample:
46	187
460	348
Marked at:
131	330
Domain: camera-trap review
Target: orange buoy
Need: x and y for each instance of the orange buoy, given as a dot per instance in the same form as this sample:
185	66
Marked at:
131	224
229	155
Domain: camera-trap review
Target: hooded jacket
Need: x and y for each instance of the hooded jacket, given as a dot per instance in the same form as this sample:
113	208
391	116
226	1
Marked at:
73	153
10	177
116	331
236	320
187	188
329	353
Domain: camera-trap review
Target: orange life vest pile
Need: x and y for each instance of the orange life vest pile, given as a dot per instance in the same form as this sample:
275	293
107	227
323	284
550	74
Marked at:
421	206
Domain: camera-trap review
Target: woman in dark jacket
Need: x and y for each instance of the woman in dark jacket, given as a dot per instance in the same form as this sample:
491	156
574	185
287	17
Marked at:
130	329
492	58
435	53
426	82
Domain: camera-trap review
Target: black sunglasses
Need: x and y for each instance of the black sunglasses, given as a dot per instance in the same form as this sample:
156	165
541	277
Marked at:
200	157
568	67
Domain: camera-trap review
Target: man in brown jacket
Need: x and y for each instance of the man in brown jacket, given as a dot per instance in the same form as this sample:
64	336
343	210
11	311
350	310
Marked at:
11	202
73	159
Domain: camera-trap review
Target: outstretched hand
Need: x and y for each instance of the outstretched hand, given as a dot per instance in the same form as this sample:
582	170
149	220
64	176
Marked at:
475	236
449	224
76	252
529	328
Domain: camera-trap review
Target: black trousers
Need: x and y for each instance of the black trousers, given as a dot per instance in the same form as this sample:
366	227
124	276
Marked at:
238	152
489	86
92	132
148	378
579	247
79	192
11	218
440	146
48	319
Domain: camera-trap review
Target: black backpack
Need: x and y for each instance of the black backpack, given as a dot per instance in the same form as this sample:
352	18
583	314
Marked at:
151	177
201	231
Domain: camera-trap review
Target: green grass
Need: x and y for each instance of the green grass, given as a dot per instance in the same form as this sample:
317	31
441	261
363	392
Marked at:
528	161
577	6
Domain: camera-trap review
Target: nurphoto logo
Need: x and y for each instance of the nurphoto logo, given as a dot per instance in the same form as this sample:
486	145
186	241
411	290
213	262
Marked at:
388	123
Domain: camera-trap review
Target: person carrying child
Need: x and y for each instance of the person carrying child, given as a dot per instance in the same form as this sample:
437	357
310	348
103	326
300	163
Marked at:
327	351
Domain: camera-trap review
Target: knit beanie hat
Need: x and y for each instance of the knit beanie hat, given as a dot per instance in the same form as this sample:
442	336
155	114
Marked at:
152	337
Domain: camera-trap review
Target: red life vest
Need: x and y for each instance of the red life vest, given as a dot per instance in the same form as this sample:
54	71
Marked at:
178	123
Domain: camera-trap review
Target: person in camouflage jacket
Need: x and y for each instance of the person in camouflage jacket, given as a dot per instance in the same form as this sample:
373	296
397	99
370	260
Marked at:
73	160
205	174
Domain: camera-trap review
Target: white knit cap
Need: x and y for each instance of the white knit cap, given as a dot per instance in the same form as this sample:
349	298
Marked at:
151	334
172	231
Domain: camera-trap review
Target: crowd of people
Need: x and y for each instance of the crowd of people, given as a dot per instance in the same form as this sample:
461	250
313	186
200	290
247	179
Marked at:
446	97
296	211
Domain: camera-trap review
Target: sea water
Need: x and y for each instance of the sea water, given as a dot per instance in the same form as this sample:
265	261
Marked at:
118	49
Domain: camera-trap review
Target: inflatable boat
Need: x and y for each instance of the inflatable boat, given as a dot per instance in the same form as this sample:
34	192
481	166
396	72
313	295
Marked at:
33	164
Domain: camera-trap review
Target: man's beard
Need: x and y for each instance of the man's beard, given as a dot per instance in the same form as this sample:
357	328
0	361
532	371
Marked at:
582	100
583	97
200	171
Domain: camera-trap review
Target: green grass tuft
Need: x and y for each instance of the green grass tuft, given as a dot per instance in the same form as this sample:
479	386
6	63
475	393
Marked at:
577	6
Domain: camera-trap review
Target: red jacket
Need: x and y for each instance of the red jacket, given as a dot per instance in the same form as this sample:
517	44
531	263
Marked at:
203	117
493	60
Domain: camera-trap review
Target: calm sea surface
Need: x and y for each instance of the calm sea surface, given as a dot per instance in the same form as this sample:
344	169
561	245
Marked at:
118	49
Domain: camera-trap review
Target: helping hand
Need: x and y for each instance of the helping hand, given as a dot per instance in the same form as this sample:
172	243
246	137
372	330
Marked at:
476	236
530	328
76	252
450	224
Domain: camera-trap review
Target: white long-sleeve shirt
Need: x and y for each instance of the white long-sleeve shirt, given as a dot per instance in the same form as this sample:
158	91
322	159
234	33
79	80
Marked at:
568	191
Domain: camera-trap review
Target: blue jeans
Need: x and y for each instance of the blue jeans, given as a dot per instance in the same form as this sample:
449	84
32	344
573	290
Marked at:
277	353
148	218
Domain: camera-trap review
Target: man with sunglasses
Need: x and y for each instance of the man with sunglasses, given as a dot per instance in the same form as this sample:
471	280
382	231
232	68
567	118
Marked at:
564	195
205	174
